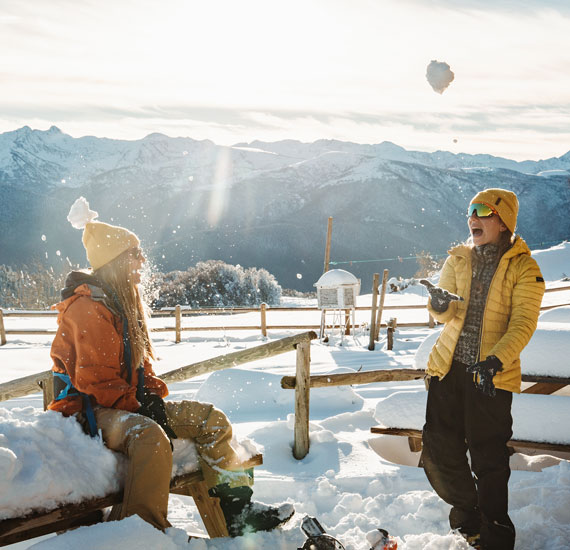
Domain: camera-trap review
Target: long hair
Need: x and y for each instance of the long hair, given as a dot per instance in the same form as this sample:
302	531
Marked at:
117	275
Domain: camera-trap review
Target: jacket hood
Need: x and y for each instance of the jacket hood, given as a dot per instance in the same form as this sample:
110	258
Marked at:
76	279
84	283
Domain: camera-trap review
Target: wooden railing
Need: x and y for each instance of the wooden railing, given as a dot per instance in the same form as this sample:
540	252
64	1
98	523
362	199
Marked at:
179	312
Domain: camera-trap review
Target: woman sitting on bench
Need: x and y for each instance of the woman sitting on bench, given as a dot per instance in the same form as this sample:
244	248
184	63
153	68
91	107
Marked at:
103	375
489	297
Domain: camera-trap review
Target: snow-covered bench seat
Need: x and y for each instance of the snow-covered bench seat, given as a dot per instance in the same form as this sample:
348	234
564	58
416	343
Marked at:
65	478
539	421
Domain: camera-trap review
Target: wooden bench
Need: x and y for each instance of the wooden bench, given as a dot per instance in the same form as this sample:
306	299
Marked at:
412	405
88	512
43	522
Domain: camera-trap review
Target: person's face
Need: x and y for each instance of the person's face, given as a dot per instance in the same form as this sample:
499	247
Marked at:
136	261
485	230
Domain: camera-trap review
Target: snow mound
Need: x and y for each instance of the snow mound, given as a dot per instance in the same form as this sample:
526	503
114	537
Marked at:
35	462
556	315
535	417
554	262
248	394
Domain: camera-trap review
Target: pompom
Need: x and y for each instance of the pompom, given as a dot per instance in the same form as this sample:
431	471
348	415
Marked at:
80	214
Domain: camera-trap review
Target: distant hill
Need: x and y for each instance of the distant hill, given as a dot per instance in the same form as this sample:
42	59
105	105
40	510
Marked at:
262	204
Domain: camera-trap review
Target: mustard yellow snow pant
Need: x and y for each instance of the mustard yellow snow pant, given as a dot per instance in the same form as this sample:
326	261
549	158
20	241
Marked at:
149	455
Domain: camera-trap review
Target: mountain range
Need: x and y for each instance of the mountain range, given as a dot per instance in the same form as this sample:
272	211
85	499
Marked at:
263	204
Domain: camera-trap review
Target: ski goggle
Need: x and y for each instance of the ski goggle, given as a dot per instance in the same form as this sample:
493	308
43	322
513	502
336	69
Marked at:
481	209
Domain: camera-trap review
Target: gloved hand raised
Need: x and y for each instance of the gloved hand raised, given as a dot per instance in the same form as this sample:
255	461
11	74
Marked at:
485	370
440	298
153	407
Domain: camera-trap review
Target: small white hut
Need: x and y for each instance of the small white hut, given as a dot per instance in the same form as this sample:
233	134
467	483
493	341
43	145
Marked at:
337	290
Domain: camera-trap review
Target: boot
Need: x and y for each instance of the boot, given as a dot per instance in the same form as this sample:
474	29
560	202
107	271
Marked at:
243	515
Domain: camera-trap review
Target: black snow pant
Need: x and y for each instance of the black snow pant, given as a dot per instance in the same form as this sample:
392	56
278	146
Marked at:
459	418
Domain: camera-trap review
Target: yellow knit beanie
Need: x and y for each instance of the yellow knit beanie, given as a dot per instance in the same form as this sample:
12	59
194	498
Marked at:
504	202
102	242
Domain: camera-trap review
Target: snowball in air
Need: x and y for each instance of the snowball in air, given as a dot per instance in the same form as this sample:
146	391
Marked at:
80	214
299	276
439	76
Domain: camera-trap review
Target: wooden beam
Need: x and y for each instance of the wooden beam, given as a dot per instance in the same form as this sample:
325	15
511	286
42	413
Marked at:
2	329
376	278
270	349
302	396
381	305
178	322
263	310
544	388
328	245
521	443
22	386
350	378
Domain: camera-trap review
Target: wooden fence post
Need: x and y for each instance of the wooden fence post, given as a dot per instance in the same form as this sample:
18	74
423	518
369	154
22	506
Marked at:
263	309
2	330
391	329
328	246
178	323
373	314
381	306
302	396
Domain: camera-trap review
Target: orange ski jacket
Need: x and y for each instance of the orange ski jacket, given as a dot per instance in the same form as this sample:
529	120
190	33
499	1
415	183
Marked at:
89	348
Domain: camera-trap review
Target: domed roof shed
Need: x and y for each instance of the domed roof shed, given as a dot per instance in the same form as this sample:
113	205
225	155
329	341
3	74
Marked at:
335	278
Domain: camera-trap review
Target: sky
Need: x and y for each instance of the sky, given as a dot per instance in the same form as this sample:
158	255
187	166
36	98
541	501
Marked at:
353	70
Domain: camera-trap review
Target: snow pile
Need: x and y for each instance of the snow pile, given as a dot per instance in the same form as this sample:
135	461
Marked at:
35	470
247	394
554	262
439	75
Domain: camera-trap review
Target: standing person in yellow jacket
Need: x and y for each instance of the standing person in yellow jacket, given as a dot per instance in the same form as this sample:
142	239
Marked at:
489	297
102	374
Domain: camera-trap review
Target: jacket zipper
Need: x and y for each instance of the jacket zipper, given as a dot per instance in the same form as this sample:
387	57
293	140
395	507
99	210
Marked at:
485	309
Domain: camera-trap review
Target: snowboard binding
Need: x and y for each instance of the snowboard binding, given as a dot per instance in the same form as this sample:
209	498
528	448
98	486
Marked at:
318	539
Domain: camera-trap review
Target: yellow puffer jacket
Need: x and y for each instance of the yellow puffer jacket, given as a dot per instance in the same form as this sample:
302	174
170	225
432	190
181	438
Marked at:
510	317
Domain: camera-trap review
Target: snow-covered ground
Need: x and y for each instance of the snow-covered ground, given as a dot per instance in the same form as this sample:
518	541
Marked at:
352	481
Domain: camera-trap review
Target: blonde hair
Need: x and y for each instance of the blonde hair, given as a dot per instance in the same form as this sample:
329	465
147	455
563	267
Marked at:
117	274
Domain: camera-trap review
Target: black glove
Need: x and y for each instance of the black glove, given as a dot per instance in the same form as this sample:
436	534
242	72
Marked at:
485	370
153	406
440	298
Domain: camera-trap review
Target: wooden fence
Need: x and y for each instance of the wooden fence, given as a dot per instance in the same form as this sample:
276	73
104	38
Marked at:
179	312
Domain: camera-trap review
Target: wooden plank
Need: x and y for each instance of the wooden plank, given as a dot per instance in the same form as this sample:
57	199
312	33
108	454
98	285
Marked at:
210	510
522	443
46	384
545	388
22	386
550	385
349	378
263	351
302	395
